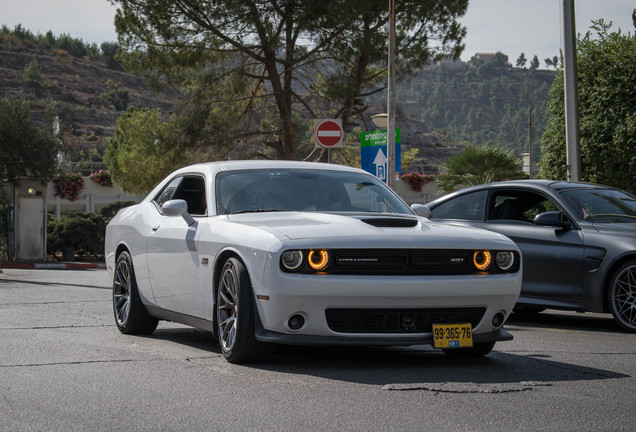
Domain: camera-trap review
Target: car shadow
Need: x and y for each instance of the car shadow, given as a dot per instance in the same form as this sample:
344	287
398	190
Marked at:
54	284
401	368
421	364
567	321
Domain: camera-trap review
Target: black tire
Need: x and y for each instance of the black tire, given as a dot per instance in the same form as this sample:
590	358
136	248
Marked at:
131	316
478	350
235	316
622	296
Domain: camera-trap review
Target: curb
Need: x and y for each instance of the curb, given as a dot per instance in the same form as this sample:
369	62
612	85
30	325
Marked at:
53	266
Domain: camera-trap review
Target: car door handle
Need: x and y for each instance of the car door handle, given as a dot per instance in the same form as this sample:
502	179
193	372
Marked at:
155	228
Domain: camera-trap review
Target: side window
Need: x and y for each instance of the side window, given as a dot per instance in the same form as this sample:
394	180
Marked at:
470	206
191	189
518	205
168	192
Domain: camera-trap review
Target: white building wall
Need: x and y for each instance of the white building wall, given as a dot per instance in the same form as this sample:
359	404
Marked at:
91	199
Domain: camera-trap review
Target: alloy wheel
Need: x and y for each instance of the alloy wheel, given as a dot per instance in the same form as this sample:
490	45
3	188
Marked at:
121	292
227	309
623	297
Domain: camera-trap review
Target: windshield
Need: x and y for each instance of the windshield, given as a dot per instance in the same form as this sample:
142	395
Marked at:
603	205
304	190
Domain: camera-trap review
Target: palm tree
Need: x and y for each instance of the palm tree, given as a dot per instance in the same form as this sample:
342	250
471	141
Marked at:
477	165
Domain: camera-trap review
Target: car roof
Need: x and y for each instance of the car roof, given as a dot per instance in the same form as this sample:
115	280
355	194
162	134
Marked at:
233	165
537	184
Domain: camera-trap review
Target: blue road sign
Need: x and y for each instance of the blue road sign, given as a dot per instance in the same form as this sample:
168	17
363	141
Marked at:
373	153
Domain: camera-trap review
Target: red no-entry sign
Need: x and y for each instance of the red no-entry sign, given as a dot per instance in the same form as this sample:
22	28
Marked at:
328	133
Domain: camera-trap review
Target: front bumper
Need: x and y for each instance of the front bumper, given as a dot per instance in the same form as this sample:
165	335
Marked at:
282	296
419	339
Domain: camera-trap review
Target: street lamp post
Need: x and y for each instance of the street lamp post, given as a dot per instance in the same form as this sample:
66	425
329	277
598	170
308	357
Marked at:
391	100
570	84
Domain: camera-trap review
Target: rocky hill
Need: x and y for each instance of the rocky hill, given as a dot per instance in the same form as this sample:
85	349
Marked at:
89	96
474	103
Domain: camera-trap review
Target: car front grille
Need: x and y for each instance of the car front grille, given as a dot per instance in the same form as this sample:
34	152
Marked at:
399	320
402	262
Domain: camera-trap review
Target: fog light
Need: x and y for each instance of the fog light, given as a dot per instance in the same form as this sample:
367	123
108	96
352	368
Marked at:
295	322
499	319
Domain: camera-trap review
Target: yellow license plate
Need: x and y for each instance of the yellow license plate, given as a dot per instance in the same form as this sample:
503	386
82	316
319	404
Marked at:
452	335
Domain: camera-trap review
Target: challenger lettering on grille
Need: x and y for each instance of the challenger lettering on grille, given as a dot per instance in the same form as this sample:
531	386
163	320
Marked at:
358	260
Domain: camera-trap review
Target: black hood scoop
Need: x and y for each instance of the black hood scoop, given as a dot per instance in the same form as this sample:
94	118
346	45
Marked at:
391	222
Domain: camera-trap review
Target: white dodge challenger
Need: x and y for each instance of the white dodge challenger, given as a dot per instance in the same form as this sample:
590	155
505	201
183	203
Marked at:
265	252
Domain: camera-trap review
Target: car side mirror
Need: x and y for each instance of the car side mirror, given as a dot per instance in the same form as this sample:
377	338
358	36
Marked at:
421	210
177	207
552	218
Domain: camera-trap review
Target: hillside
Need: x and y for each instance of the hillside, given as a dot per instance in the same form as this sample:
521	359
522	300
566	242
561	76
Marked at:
89	96
480	103
441	110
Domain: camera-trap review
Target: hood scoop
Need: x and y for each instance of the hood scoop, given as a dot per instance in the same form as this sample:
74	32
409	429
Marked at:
389	222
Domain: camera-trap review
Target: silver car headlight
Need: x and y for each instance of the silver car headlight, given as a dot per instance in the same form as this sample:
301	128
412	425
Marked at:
292	259
505	260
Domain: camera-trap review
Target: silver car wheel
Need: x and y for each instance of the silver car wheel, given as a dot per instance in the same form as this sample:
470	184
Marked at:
131	316
623	296
121	292
236	315
227	310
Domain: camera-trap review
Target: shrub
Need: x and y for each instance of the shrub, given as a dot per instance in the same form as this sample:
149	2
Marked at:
68	185
32	72
417	180
82	230
102	178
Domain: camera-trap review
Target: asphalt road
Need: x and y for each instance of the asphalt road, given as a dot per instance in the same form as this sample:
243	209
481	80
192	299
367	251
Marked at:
64	366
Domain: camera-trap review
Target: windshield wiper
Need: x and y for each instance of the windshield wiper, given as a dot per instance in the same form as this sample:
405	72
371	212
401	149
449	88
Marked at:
264	210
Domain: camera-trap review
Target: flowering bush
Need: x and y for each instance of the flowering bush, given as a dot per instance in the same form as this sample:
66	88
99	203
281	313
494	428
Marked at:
102	177
417	180
68	185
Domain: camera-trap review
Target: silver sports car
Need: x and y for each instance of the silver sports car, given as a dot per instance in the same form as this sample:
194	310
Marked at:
263	252
578	241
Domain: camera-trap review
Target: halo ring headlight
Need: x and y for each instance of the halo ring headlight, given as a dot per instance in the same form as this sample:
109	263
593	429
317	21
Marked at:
482	260
318	259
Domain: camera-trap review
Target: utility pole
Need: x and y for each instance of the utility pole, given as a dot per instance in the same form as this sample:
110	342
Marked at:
530	142
391	102
570	85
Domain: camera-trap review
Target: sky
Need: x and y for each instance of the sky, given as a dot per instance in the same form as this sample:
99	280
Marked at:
532	27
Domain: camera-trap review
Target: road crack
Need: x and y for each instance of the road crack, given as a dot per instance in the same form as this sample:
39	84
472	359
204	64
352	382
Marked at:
469	387
68	363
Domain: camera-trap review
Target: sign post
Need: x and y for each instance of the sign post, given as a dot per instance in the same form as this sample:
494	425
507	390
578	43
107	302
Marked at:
328	134
373	153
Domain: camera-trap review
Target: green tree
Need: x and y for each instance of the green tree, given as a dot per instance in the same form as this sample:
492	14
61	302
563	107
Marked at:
552	62
27	149
477	165
427	31
32	72
236	58
141	152
534	63
109	49
522	60
607	112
